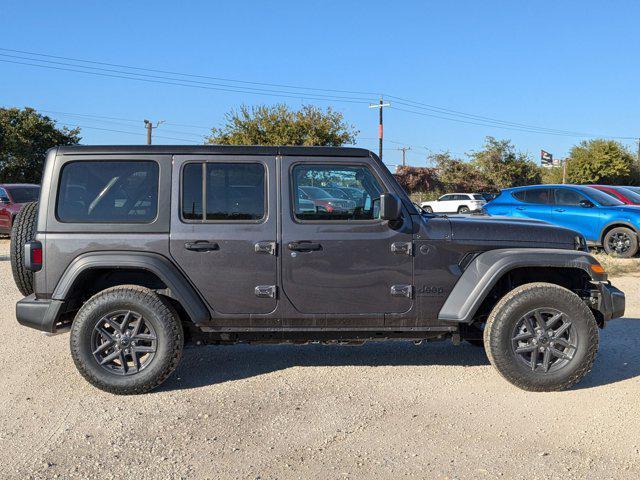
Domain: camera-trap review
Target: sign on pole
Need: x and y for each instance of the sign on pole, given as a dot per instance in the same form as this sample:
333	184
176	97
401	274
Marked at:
546	158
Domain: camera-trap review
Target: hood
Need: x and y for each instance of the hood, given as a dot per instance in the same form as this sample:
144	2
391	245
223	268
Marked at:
509	229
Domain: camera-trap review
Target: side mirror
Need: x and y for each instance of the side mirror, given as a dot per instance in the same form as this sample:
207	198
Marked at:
584	203
390	207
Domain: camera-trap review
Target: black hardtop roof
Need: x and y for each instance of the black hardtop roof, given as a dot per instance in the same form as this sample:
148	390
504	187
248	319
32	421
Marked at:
213	150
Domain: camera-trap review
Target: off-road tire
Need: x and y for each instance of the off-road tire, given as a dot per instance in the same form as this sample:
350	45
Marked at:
22	232
626	232
156	310
464	209
511	308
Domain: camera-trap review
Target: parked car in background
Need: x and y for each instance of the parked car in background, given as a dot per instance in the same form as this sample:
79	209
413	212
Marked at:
625	194
325	201
12	198
603	220
455	203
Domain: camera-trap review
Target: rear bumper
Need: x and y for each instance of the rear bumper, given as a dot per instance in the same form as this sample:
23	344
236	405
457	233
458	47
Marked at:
39	314
610	301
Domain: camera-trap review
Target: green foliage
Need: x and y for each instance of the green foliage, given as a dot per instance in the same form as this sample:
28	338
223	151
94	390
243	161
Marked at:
457	175
552	175
502	167
601	161
278	125
25	137
417	179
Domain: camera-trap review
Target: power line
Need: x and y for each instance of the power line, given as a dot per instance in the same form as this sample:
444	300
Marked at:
438	112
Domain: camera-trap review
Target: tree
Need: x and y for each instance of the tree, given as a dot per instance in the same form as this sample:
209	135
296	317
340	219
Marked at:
601	161
25	137
278	125
502	167
457	175
417	179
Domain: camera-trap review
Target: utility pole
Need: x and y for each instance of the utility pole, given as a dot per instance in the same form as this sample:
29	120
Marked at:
380	105
148	124
404	155
639	151
564	171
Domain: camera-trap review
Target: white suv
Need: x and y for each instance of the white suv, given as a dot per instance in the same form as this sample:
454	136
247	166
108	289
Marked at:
455	203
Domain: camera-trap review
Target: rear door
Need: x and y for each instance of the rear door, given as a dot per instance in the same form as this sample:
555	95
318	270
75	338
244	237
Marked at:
533	203
345	261
224	230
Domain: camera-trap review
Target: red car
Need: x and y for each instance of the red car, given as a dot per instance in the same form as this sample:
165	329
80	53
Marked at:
12	198
625	194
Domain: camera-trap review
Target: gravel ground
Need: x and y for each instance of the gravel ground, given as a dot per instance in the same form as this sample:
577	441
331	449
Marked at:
385	410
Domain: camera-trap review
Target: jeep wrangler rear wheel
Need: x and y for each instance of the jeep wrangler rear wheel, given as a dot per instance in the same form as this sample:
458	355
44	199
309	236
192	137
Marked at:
126	340
541	337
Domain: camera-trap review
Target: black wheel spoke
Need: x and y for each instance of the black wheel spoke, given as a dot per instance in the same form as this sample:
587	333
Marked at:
534	358
529	324
110	358
104	346
523	336
125	321
540	323
526	349
123	362
560	331
143	349
553	320
546	357
557	353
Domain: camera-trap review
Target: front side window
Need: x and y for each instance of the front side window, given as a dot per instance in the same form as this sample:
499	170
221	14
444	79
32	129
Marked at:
328	192
565	196
108	192
232	191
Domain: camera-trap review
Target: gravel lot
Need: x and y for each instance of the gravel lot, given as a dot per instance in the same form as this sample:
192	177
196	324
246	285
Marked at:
379	411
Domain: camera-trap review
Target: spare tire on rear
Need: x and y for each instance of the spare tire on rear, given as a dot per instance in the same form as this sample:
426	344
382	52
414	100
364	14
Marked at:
23	231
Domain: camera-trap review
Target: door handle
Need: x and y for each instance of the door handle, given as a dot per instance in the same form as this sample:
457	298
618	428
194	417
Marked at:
202	246
520	208
559	210
304	246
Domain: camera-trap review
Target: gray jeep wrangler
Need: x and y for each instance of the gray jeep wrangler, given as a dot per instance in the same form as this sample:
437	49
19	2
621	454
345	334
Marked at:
140	250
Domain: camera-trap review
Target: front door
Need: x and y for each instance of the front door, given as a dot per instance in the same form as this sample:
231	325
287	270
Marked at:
338	257
568	212
224	230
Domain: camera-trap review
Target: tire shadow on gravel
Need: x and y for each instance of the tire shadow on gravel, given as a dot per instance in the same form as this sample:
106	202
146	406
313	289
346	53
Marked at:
618	358
210	365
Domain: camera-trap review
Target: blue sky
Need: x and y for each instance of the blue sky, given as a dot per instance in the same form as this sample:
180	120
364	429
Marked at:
570	66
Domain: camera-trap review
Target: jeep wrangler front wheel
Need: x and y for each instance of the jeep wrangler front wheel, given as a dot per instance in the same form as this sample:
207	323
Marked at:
126	340
541	337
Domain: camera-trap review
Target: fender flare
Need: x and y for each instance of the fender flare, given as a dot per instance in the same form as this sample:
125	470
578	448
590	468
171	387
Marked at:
486	269
159	265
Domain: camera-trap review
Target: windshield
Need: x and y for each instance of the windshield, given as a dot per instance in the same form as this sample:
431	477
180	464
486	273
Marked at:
24	194
601	197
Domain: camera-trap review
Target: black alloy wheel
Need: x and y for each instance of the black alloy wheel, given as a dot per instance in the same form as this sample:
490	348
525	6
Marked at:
123	342
544	340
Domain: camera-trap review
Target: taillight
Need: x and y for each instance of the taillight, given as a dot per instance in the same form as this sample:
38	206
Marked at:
33	256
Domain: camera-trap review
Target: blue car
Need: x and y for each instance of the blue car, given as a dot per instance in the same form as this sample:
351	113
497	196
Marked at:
603	220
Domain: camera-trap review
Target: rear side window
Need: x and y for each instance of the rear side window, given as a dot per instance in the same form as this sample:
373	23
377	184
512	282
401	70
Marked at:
534	195
232	192
108	192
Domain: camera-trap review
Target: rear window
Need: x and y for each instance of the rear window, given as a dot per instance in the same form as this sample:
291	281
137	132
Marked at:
24	194
477	196
233	191
108	192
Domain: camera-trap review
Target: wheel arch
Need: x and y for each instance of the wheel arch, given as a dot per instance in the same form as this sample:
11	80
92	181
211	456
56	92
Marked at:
92	272
491	274
615	224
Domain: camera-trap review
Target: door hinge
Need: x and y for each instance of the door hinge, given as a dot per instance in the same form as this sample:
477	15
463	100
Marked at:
402	291
405	248
270	248
266	291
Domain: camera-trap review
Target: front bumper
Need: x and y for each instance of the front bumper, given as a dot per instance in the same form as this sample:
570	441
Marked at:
610	301
40	314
